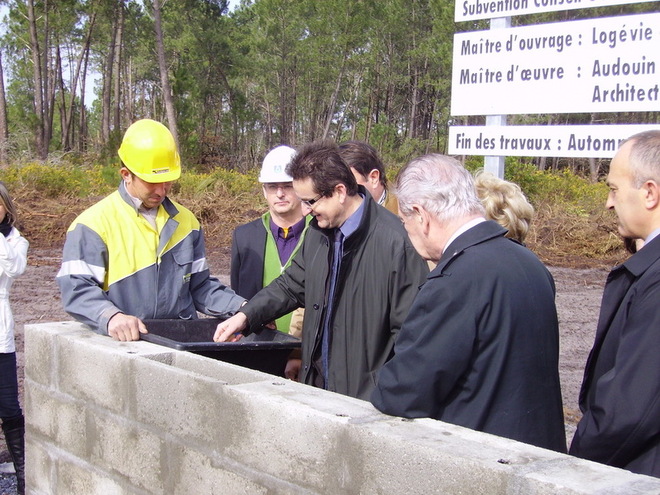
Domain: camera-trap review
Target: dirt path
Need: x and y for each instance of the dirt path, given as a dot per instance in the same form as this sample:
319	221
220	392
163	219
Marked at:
35	298
579	292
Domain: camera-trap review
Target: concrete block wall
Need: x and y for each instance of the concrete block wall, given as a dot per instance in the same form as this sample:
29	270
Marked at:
106	417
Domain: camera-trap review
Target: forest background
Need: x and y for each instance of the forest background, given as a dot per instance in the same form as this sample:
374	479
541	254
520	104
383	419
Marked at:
233	84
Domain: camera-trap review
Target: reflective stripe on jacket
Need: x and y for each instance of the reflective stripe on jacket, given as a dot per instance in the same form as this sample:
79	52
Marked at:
115	261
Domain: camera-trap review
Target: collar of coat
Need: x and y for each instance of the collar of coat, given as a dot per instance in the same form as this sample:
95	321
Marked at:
482	232
642	260
170	208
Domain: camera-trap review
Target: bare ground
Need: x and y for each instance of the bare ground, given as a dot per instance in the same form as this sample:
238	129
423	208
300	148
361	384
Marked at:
35	299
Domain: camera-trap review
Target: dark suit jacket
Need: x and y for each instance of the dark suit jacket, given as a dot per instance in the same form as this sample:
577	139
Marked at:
620	396
248	249
378	280
480	345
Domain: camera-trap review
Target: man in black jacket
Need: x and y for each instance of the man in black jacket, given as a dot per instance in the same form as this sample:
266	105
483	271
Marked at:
620	395
356	275
480	346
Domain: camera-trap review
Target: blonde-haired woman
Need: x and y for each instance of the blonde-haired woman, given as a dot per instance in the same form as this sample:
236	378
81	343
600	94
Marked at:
505	203
13	260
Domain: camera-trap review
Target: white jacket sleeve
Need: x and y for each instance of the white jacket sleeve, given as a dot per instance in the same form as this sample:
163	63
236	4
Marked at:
13	254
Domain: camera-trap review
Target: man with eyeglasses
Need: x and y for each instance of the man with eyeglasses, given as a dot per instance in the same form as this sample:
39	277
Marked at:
356	275
263	248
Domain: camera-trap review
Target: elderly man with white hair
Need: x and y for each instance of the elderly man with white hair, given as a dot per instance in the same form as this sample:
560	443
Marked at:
480	345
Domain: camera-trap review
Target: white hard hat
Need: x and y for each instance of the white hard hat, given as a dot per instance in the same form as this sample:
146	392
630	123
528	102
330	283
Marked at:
274	166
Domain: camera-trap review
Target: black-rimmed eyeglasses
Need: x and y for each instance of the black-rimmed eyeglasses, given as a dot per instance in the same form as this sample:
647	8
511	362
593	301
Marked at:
310	202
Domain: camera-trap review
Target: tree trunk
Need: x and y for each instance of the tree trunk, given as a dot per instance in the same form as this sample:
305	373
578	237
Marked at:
233	111
164	77
107	81
84	54
116	69
4	133
283	88
413	76
63	103
350	106
48	83
593	169
412	124
129	93
374	103
542	163
433	130
269	121
40	136
334	97
82	133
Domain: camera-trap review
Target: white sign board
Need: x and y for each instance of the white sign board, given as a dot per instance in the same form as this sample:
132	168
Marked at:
595	65
467	10
578	141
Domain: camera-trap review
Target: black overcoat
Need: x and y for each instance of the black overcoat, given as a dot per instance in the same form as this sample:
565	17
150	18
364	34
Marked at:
247	258
480	346
620	395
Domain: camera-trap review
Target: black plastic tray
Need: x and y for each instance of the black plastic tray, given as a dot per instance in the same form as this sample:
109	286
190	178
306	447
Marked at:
266	350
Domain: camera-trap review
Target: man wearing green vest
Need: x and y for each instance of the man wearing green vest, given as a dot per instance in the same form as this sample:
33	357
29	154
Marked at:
263	248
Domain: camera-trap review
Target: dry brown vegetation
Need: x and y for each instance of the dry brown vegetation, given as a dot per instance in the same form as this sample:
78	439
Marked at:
565	239
44	220
571	226
558	237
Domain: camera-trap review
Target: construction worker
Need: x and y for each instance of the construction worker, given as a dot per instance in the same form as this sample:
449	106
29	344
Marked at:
263	248
136	254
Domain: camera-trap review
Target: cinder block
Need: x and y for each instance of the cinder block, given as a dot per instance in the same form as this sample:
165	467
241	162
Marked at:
70	426
58	417
570	475
95	368
218	370
405	448
188	468
39	342
306	428
169	422
38	408
460	460
127	449
78	477
184	404
39	467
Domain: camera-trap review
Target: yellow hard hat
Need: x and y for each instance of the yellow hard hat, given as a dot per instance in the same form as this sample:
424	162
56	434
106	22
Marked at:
148	150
